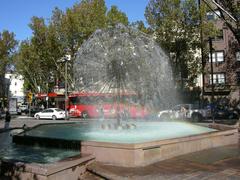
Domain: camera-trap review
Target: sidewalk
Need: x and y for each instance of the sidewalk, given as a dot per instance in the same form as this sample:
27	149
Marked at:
219	163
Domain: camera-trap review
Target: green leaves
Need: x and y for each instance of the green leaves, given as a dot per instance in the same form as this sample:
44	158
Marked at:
64	30
230	14
7	51
176	25
114	16
7	48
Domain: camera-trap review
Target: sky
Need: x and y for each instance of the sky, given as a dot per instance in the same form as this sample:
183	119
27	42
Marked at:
15	15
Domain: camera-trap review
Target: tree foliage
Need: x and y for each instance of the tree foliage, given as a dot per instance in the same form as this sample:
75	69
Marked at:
7	49
230	14
114	16
176	25
63	33
141	27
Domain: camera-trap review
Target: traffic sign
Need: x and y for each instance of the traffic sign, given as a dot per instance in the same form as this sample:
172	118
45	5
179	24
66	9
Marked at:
29	97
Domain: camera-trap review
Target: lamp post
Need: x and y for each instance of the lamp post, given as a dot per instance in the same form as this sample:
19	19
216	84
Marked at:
65	60
212	85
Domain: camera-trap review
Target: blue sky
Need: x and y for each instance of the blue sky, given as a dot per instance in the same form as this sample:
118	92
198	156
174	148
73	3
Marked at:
15	15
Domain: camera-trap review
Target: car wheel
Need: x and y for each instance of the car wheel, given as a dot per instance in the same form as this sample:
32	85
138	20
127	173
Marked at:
54	117
37	117
196	117
85	115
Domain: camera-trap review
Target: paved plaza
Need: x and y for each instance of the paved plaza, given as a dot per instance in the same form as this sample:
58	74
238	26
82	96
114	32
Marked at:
218	163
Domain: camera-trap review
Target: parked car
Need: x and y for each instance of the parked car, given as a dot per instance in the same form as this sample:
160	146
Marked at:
51	113
225	113
185	111
23	107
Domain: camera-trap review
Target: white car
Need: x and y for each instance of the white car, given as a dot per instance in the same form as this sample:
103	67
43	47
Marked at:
185	111
51	113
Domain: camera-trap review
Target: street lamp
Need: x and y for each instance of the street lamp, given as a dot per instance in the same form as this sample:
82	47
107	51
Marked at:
65	60
212	82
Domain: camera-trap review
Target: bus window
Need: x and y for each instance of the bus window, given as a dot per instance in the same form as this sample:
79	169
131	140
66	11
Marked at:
73	100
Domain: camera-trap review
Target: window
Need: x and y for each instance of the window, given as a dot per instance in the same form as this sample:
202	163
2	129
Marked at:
15	83
49	111
219	35
45	111
238	56
218	78
217	56
213	15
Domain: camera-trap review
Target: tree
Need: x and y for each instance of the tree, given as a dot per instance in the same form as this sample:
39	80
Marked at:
7	49
229	12
141	27
64	33
80	21
25	62
77	24
115	16
177	27
40	53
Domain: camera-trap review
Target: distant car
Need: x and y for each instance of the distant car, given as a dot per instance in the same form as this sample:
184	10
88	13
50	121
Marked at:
23	107
51	113
185	111
222	113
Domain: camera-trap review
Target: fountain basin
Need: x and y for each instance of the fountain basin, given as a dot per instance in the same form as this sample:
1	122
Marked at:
130	148
21	162
142	154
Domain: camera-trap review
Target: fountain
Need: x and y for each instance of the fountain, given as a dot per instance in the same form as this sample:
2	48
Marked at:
119	60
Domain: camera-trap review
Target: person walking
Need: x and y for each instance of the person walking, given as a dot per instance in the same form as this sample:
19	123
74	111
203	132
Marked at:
7	119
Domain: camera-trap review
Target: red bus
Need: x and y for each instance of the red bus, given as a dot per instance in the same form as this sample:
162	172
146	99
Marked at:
95	105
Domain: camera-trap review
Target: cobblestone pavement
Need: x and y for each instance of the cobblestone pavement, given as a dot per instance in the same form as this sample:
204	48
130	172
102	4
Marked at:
180	168
221	163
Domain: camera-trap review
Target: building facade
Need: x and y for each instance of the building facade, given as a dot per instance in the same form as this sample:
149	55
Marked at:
225	70
16	89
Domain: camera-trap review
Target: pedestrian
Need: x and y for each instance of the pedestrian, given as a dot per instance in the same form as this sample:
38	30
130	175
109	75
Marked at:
7	119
